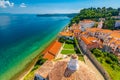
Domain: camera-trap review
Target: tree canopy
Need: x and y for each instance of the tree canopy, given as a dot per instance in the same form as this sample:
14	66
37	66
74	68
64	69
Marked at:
95	14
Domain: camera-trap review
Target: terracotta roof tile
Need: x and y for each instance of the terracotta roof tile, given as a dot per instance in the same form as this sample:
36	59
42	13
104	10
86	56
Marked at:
49	56
77	31
55	48
88	40
52	50
85	40
66	34
47	49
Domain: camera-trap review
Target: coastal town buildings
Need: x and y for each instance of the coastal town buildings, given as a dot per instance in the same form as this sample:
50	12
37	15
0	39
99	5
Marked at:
67	34
72	31
75	29
110	39
89	42
70	68
105	39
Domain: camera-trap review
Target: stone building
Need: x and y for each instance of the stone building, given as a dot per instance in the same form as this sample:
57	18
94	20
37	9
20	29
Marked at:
66	69
86	24
110	40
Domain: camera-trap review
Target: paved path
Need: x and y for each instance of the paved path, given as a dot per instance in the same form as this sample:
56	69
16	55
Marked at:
90	64
59	55
68	49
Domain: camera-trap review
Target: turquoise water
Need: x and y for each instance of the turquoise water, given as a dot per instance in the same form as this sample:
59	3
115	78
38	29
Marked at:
23	37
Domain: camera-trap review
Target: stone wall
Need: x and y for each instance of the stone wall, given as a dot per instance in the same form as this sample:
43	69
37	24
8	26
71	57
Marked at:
88	53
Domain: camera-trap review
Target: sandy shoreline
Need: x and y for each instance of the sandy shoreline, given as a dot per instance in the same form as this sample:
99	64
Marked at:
21	75
30	65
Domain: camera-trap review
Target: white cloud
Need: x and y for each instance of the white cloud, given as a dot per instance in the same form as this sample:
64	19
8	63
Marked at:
6	3
23	5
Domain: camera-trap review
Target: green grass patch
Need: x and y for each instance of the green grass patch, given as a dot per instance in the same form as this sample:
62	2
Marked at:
80	57
109	63
68	46
68	52
30	76
113	70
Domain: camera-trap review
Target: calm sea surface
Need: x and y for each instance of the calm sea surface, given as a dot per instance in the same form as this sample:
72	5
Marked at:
22	37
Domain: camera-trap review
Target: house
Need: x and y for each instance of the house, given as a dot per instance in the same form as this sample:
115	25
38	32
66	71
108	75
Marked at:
52	50
117	24
90	42
42	73
109	40
67	34
113	43
76	32
86	24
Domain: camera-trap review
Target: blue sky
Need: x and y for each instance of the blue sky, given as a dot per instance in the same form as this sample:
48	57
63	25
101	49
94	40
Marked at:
52	6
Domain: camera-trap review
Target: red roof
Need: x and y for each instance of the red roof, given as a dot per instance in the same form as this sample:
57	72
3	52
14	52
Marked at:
55	48
52	50
77	31
48	56
46	50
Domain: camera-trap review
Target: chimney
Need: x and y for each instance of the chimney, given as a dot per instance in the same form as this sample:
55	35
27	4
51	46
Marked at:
72	66
73	63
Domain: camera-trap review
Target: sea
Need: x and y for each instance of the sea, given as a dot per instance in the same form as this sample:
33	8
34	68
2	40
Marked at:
23	37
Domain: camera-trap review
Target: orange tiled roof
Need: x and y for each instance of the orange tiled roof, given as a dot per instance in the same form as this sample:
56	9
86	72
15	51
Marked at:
88	40
98	30
47	49
75	26
113	40
87	21
48	56
77	31
115	34
91	38
93	29
51	52
117	42
105	31
66	34
55	48
85	40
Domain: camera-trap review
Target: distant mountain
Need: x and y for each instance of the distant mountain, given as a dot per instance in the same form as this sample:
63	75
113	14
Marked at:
57	15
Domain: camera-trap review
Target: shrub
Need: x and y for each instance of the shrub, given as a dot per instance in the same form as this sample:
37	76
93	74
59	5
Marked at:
101	60
40	61
108	60
112	57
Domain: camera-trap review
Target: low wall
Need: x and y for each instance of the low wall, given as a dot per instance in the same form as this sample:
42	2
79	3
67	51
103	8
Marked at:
87	52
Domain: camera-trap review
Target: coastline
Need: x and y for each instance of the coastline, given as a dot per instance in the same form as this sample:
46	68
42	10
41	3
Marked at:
22	53
23	73
27	69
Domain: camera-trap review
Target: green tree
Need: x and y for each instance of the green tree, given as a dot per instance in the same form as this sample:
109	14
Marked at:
109	24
